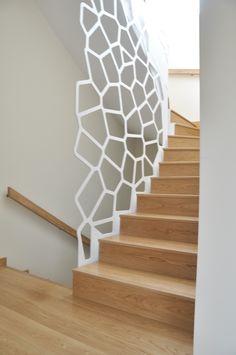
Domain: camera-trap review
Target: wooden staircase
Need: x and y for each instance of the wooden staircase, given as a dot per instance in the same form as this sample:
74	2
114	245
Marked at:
38	316
139	297
150	268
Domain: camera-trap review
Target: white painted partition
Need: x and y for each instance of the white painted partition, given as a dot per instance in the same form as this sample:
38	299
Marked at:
122	133
215	330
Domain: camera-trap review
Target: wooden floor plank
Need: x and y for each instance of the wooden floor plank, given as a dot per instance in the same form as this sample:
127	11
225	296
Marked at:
96	328
21	335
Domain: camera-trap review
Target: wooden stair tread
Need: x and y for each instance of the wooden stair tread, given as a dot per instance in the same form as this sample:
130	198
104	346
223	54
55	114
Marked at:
162	217
166	195
179	162
174	177
181	136
184	125
36	320
157	244
183	141
182	130
161	284
197	124
171	204
174	184
181	149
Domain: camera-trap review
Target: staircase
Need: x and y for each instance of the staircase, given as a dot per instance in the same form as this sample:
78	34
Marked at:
38	316
150	268
139	297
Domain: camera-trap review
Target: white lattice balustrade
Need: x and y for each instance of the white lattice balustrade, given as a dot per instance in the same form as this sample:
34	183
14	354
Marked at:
120	136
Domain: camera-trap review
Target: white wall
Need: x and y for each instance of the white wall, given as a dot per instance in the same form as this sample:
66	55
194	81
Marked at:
216	286
37	135
180	32
184	95
177	22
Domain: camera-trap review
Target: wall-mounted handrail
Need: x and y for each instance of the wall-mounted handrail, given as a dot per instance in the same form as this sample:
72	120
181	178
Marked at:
184	72
24	201
194	124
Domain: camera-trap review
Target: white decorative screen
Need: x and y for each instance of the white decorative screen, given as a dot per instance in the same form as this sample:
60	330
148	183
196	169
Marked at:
120	135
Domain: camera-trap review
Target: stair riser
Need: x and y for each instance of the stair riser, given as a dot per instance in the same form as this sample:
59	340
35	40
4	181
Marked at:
3	261
176	142
175	186
169	309
182	265
179	169
186	131
168	205
181	155
182	231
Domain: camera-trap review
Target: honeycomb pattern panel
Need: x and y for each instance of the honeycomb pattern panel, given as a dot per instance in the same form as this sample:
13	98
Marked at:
120	118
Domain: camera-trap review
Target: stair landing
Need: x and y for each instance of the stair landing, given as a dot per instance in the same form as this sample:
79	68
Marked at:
38	316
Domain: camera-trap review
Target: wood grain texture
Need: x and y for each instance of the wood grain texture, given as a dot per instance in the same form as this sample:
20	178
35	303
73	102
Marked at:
181	154
24	201
184	72
179	169
183	130
175	185
150	268
3	261
151	243
183	142
168	204
176	228
158	297
145	254
177	118
40	317
21	335
197	124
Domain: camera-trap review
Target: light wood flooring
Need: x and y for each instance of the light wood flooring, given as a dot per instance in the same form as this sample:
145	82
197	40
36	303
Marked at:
40	317
139	297
149	269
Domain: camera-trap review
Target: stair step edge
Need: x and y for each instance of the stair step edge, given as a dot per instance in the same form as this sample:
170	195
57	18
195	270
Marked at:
144	244
174	177
141	283
179	162
182	136
154	194
174	149
161	216
185	126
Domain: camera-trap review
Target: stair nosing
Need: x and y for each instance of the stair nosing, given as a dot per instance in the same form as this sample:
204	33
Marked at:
178	162
154	194
181	149
183	125
145	246
164	217
174	177
183	136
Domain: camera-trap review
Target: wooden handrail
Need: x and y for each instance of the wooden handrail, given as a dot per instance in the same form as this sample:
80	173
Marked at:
24	201
194	124
184	72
